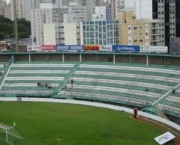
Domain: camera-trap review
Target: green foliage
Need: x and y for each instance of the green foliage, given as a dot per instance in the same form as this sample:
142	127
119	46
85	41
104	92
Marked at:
2	35
7	28
62	124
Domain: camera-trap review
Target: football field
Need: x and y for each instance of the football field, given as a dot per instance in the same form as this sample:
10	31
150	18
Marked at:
64	124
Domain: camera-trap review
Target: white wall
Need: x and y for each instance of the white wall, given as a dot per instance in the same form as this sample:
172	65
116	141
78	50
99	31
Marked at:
70	33
49	34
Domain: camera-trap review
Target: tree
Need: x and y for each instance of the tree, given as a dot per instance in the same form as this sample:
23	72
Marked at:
2	36
7	28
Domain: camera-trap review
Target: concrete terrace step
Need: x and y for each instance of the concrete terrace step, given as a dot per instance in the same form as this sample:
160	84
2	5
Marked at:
131	83
108	97
112	93
118	90
26	92
37	78
38	72
138	72
131	68
43	65
129	76
25	85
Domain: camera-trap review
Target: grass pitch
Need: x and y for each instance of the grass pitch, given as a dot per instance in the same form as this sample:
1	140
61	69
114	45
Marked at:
63	124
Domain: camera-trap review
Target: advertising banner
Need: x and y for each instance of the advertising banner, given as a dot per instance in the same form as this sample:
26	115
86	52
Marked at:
91	47
126	48
105	48
164	138
34	48
70	48
48	48
22	48
154	49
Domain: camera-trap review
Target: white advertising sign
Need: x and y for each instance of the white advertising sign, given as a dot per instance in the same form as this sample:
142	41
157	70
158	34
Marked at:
154	49
33	48
164	138
105	48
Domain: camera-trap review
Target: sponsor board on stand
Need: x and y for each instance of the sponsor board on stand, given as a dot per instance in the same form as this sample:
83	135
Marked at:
22	48
35	48
126	48
105	48
91	47
154	49
48	48
70	48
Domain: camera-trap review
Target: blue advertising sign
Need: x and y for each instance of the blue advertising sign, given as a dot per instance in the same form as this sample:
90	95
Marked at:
126	48
70	48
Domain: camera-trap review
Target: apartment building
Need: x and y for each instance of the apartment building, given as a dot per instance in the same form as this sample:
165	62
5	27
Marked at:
99	32
168	11
75	13
138	32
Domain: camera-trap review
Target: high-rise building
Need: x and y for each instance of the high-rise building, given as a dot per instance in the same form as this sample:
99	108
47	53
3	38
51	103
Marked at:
91	4
116	6
39	18
5	9
99	32
142	8
75	13
108	12
2	7
168	11
20	6
138	32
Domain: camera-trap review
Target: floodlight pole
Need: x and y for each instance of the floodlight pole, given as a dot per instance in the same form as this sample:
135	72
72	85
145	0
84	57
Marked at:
16	28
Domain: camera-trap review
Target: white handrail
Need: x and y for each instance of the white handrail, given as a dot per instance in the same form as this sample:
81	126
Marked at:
6	75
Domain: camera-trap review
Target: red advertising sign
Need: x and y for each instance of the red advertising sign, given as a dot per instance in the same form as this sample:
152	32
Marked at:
48	47
91	47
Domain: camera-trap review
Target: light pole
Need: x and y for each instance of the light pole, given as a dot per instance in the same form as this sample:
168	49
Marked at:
16	28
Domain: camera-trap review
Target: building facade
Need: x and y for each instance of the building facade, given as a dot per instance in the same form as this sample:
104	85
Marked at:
138	32
20	6
168	11
175	45
100	14
90	4
39	17
99	32
5	9
68	33
75	13
108	12
2	6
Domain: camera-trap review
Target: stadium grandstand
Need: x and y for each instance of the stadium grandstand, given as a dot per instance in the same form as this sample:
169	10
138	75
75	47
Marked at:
148	82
